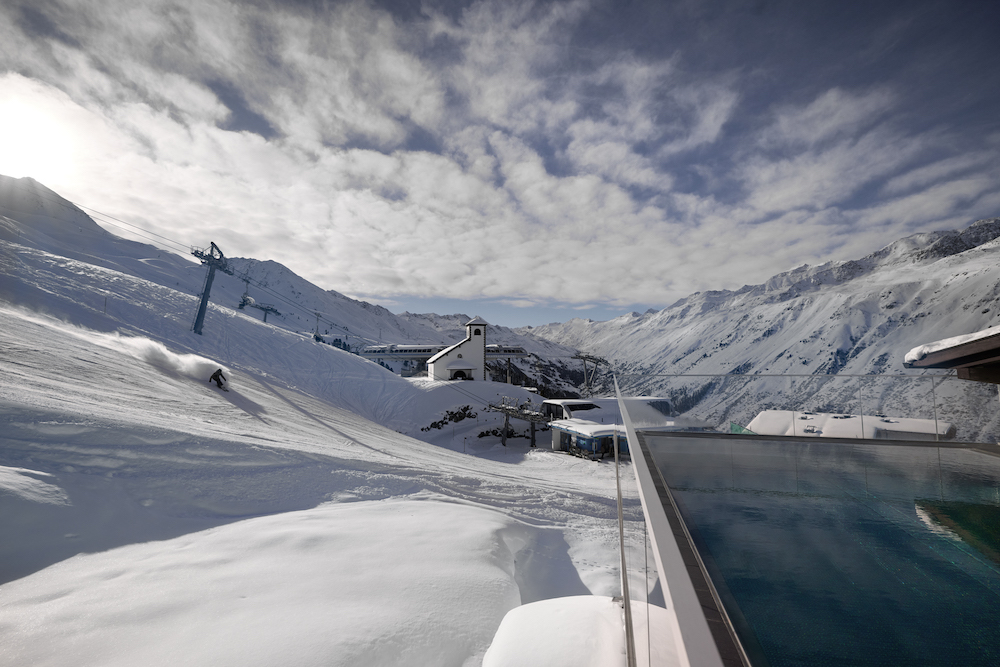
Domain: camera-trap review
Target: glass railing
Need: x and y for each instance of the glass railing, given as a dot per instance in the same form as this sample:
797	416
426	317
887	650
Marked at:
932	407
647	603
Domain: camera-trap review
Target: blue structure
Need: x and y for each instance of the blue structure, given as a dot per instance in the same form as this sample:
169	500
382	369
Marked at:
587	438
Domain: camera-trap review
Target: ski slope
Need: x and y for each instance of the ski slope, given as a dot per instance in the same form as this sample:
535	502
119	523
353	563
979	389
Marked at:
152	519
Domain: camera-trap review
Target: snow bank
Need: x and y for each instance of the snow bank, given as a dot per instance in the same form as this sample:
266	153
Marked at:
370	583
25	485
578	631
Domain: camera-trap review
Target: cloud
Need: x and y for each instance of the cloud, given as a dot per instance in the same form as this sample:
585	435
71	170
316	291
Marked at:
934	203
819	178
503	150
939	170
835	113
511	61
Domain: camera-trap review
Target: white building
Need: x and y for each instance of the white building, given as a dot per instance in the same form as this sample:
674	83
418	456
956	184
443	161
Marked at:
827	425
465	360
587	437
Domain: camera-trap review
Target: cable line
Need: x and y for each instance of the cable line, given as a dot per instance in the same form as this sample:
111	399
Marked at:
186	248
123	222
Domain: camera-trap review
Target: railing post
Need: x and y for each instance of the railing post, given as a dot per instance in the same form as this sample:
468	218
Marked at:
861	408
791	392
937	431
626	598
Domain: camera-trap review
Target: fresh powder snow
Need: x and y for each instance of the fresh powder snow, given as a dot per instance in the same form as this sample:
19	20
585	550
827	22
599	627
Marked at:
310	516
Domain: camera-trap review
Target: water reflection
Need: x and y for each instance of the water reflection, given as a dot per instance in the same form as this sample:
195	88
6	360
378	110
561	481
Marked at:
830	553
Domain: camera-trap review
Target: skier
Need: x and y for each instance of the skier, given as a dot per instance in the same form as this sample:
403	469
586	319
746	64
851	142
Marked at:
218	377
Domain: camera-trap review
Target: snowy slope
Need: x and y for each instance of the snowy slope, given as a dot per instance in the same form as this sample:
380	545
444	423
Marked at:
150	518
31	215
850	317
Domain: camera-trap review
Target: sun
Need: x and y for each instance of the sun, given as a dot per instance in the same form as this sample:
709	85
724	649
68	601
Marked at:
34	142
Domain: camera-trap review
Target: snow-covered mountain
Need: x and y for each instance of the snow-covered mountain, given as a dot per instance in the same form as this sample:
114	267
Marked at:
31	215
309	515
841	318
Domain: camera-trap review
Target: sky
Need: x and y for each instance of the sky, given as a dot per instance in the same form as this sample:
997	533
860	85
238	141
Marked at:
529	162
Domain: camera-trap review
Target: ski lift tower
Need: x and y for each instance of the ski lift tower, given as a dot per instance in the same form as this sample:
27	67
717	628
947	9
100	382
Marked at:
213	258
588	380
247	300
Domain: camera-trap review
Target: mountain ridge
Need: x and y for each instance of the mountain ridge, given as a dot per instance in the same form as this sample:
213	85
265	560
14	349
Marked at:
853	317
32	215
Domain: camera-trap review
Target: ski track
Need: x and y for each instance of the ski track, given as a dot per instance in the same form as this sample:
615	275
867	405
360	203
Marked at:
294	516
104	422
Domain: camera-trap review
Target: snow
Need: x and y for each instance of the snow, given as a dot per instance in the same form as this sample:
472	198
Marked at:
921	351
826	425
535	634
842	318
30	486
143	508
304	517
587	428
325	586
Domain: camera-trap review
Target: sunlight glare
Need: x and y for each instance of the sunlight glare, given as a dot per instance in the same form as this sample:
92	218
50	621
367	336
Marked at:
33	142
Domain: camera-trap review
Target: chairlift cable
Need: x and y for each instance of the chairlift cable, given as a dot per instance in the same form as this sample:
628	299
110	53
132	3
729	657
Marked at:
74	207
104	218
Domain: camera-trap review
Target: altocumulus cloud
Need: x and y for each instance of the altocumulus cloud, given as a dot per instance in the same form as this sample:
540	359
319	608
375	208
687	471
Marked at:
532	153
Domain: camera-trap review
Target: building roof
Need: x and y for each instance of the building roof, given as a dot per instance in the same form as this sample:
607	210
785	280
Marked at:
402	351
445	351
587	429
837	425
477	320
975	355
576	402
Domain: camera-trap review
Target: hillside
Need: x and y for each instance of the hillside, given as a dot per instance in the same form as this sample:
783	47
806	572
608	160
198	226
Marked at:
35	217
840	318
305	516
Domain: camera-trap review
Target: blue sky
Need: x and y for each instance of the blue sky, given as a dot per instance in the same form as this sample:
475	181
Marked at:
525	161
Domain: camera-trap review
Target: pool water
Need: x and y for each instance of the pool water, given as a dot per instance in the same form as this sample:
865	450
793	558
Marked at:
845	554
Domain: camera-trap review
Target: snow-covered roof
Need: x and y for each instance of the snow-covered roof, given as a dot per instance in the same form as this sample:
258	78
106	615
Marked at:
445	351
586	428
837	425
477	320
954	349
575	402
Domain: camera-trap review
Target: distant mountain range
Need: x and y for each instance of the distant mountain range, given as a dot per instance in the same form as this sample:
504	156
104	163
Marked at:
853	317
844	318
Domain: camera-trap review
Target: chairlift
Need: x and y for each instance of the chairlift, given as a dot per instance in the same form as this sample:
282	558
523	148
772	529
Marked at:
247	300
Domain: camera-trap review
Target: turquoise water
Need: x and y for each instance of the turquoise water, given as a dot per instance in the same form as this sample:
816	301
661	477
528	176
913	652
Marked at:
846	554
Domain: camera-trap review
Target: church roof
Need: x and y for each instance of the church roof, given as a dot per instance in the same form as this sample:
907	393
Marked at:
477	320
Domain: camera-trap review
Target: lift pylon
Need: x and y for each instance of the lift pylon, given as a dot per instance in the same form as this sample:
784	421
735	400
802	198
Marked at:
213	258
588	380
